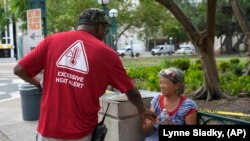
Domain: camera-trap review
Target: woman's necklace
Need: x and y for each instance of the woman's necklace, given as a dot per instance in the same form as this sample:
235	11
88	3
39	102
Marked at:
171	105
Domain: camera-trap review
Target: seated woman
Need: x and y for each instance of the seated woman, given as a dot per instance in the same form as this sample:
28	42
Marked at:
181	110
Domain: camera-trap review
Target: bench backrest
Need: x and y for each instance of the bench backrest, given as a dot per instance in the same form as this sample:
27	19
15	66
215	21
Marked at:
211	119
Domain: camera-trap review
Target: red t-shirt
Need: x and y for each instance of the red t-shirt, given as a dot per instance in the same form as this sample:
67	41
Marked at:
77	70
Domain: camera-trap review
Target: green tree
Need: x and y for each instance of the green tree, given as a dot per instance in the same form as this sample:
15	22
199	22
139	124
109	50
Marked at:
151	26
196	12
203	41
242	20
225	25
244	24
66	15
130	16
4	15
18	11
126	19
136	18
3	20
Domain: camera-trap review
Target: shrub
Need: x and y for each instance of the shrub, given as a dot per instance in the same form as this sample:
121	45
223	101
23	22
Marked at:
234	61
196	67
231	83
193	79
167	63
153	83
224	66
182	63
234	85
198	61
237	69
145	77
132	72
140	84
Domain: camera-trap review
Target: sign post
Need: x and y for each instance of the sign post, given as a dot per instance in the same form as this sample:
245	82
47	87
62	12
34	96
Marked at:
34	23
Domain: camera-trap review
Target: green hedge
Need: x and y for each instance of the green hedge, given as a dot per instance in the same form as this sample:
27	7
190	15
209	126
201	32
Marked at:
230	73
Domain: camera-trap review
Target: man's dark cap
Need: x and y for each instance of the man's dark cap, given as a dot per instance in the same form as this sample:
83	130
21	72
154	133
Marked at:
94	16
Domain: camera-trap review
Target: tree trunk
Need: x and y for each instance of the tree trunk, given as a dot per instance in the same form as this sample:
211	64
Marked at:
211	88
242	20
228	43
247	72
239	41
204	43
247	42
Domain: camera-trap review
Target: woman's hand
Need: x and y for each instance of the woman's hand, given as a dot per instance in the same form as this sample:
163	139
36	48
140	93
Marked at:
148	124
148	114
168	121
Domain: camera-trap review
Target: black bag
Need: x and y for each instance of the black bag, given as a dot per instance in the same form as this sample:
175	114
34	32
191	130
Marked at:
100	130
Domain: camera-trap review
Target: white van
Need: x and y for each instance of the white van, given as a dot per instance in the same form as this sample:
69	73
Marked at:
126	51
163	49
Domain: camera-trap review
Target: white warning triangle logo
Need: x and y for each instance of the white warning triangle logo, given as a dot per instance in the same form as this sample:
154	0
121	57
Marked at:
74	58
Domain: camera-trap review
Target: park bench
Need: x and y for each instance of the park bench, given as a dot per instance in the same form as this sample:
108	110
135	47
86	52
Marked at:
212	119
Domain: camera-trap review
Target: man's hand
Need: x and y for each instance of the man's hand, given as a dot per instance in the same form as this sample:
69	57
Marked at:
149	119
147	114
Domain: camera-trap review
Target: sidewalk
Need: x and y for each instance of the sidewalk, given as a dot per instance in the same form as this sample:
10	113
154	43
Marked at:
12	126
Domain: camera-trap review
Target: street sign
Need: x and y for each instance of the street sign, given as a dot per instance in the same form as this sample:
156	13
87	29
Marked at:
34	23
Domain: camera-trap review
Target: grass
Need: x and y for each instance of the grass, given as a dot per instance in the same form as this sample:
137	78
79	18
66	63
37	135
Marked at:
158	60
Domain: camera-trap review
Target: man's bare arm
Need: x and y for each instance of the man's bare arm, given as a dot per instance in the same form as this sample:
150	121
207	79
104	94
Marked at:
135	98
20	72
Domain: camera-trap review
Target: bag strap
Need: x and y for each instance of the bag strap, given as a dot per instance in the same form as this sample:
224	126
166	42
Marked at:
105	115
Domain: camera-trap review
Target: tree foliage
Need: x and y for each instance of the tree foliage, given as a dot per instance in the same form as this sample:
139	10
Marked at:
152	18
196	13
66	15
4	15
18	11
149	18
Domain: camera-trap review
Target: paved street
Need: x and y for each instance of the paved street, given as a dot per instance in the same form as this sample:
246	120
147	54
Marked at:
8	81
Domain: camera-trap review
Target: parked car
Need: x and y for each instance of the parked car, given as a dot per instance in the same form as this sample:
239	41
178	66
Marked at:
191	46
163	49
126	51
185	51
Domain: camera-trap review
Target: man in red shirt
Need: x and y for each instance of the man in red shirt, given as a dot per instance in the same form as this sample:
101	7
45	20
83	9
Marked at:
78	67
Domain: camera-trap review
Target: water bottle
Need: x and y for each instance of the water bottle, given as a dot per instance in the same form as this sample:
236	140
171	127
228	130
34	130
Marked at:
164	115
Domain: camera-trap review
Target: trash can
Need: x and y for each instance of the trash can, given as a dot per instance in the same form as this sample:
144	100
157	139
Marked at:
30	101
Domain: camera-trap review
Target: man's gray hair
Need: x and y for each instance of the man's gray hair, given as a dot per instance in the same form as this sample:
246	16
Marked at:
175	75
